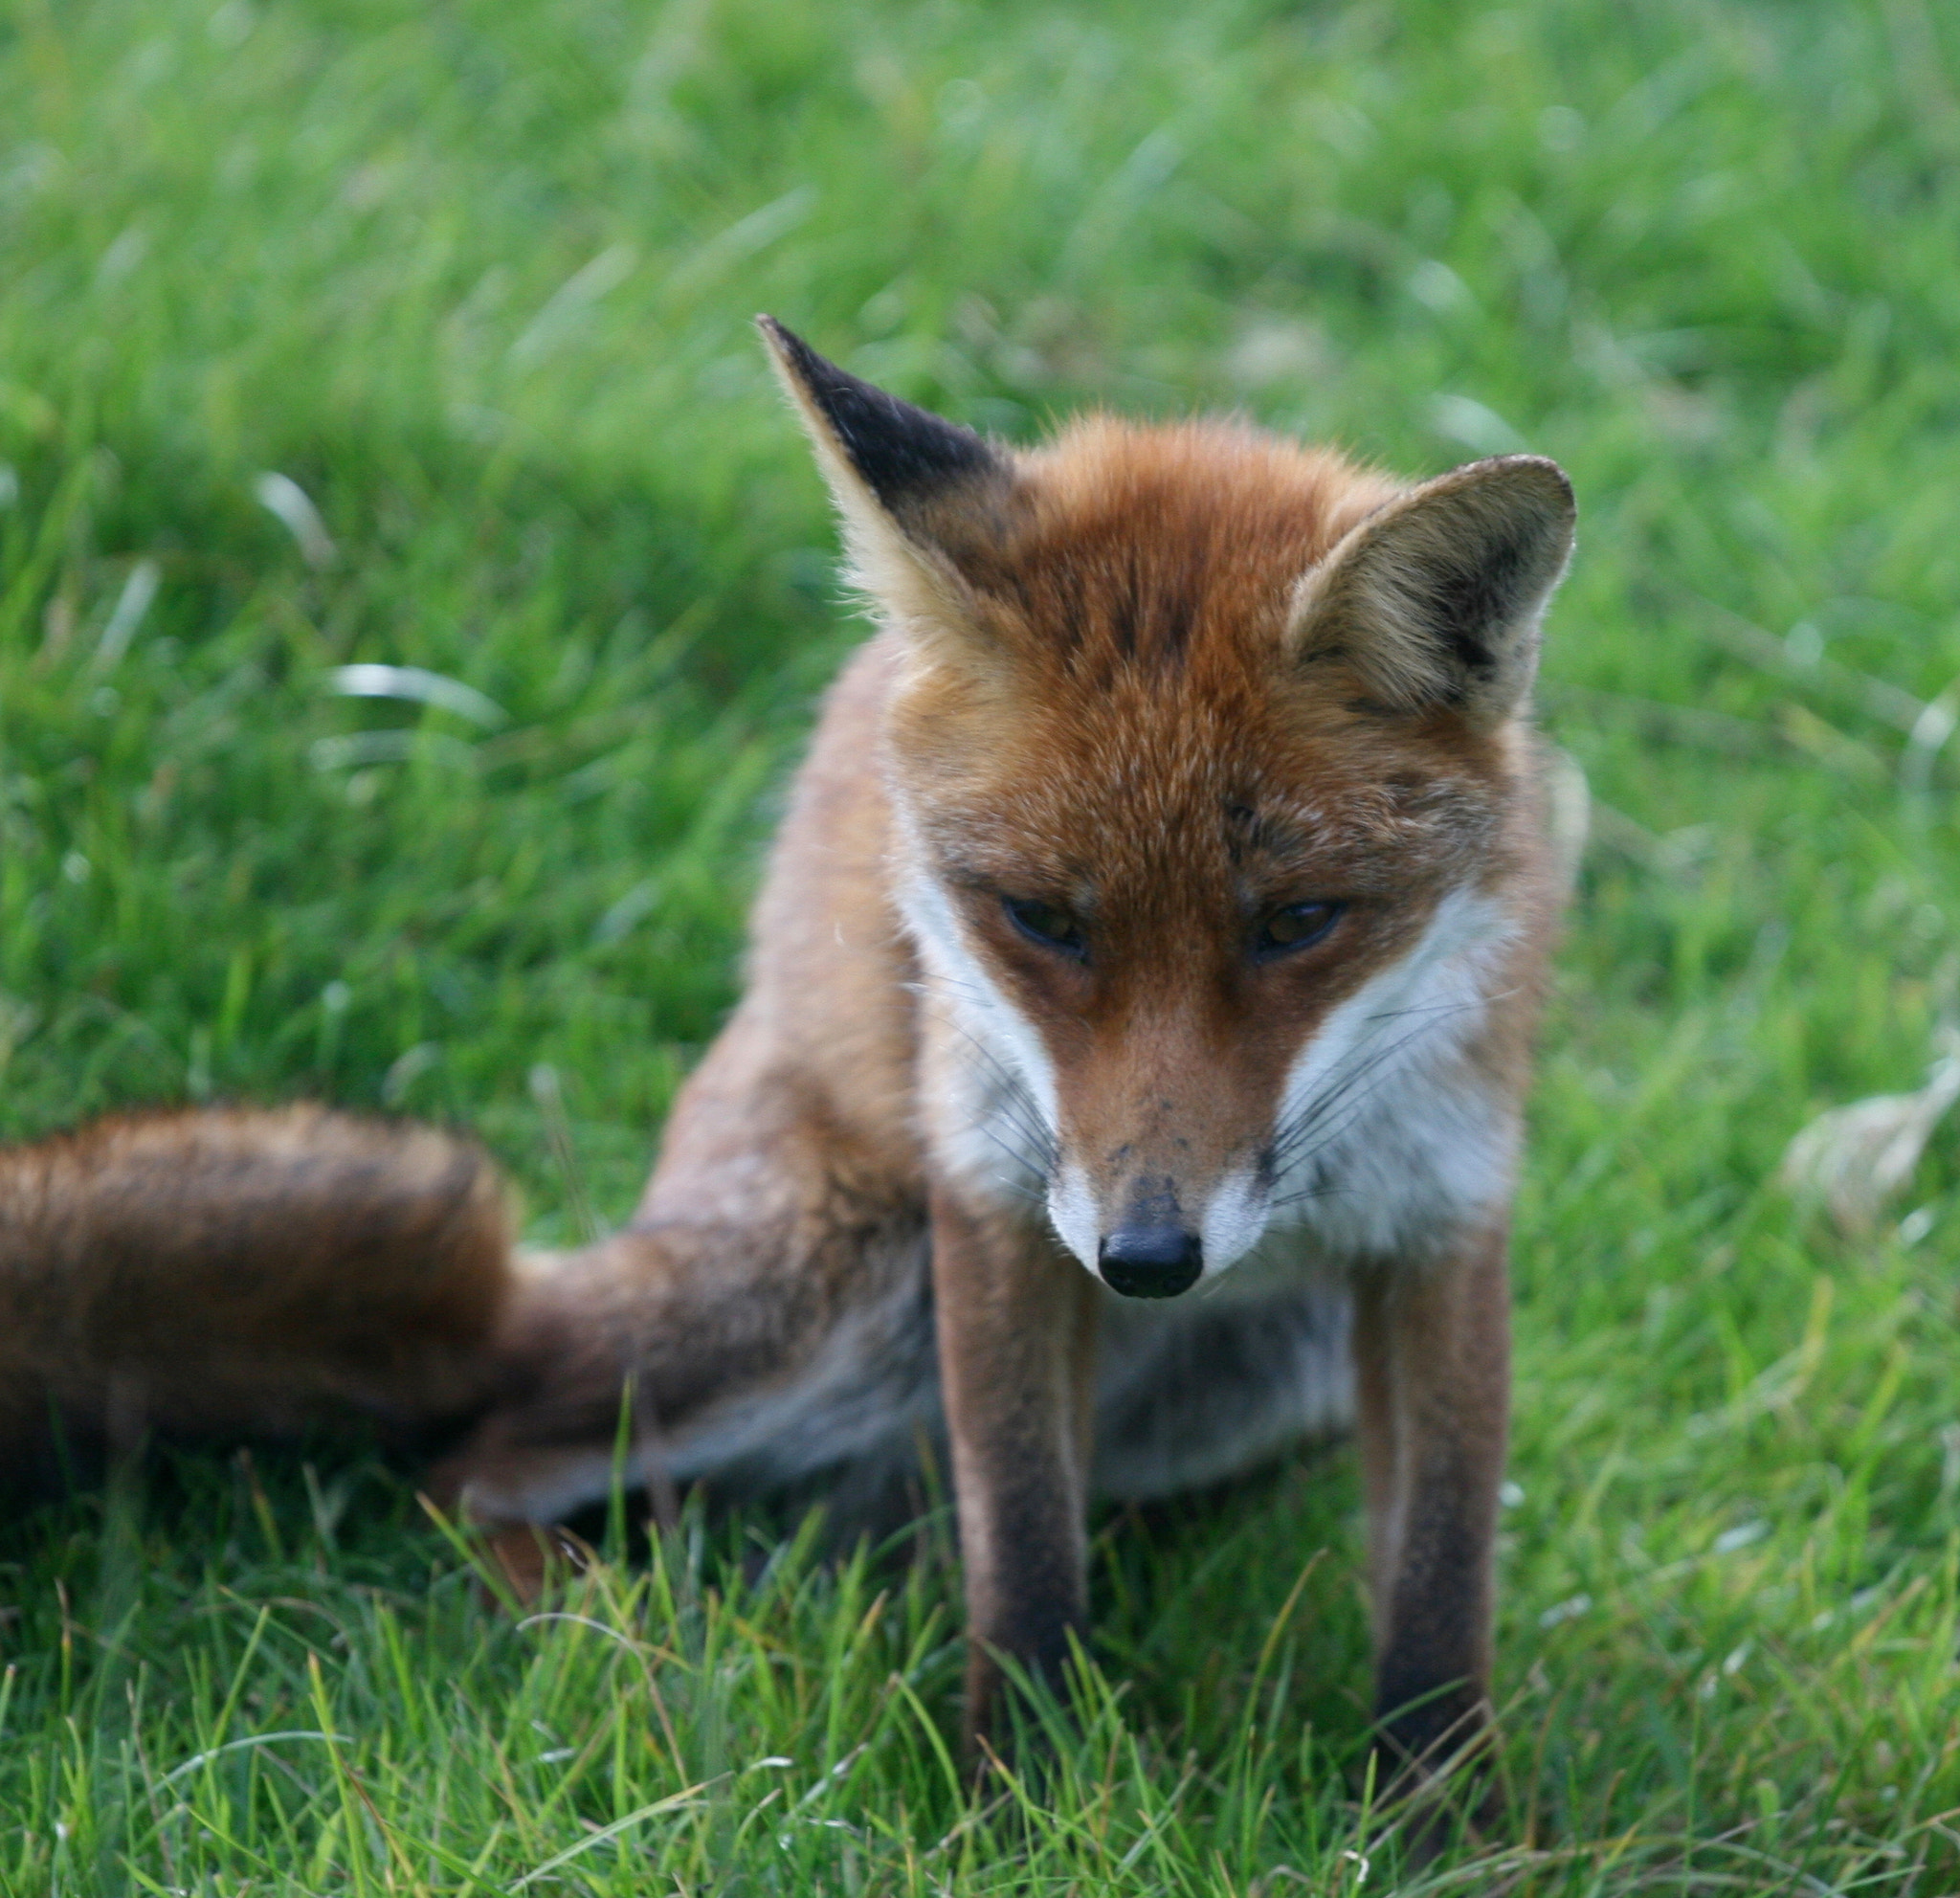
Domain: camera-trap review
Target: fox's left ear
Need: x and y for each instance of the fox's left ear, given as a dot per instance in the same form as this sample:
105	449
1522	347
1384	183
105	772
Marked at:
914	491
1435	600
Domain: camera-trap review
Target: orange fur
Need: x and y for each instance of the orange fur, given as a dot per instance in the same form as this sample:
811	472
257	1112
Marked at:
218	1273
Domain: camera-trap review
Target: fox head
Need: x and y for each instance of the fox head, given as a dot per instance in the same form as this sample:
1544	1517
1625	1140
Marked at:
1213	797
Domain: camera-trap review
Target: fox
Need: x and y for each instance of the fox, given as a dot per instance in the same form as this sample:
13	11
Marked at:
1127	1083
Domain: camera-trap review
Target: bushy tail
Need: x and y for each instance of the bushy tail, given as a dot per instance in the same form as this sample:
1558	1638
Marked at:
222	1273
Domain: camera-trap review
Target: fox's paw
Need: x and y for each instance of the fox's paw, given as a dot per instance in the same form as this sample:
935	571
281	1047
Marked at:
535	1560
1435	1785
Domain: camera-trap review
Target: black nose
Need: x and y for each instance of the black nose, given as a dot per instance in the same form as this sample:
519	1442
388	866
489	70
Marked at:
1151	1262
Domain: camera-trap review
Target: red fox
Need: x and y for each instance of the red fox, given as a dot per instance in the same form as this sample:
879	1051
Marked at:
1127	1080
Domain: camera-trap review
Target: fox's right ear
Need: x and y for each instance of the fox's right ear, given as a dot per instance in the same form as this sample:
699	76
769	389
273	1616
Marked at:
1433	601
913	490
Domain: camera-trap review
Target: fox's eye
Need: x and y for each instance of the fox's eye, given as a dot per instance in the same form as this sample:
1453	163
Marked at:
1046	924
1296	926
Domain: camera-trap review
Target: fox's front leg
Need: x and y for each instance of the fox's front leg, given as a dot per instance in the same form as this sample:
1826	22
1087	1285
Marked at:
1017	1319
1433	1355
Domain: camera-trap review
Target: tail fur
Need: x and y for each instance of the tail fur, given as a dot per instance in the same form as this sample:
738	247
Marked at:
218	1273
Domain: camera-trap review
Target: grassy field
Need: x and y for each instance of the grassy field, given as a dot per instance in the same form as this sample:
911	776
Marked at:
335	332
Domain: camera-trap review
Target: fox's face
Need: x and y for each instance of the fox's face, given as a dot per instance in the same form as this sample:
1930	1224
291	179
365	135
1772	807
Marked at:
1211	793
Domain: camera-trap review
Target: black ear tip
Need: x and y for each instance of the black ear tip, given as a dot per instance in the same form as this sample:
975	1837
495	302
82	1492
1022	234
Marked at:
901	452
820	378
787	343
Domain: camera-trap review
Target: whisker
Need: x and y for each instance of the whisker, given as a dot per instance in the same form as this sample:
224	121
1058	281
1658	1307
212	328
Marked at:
1313	1130
1441	1008
1339	1088
1030	1160
1306	1192
1355	1067
1008	1100
1331	1136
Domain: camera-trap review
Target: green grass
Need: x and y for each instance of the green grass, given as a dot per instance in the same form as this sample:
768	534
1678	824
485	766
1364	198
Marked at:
474	275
